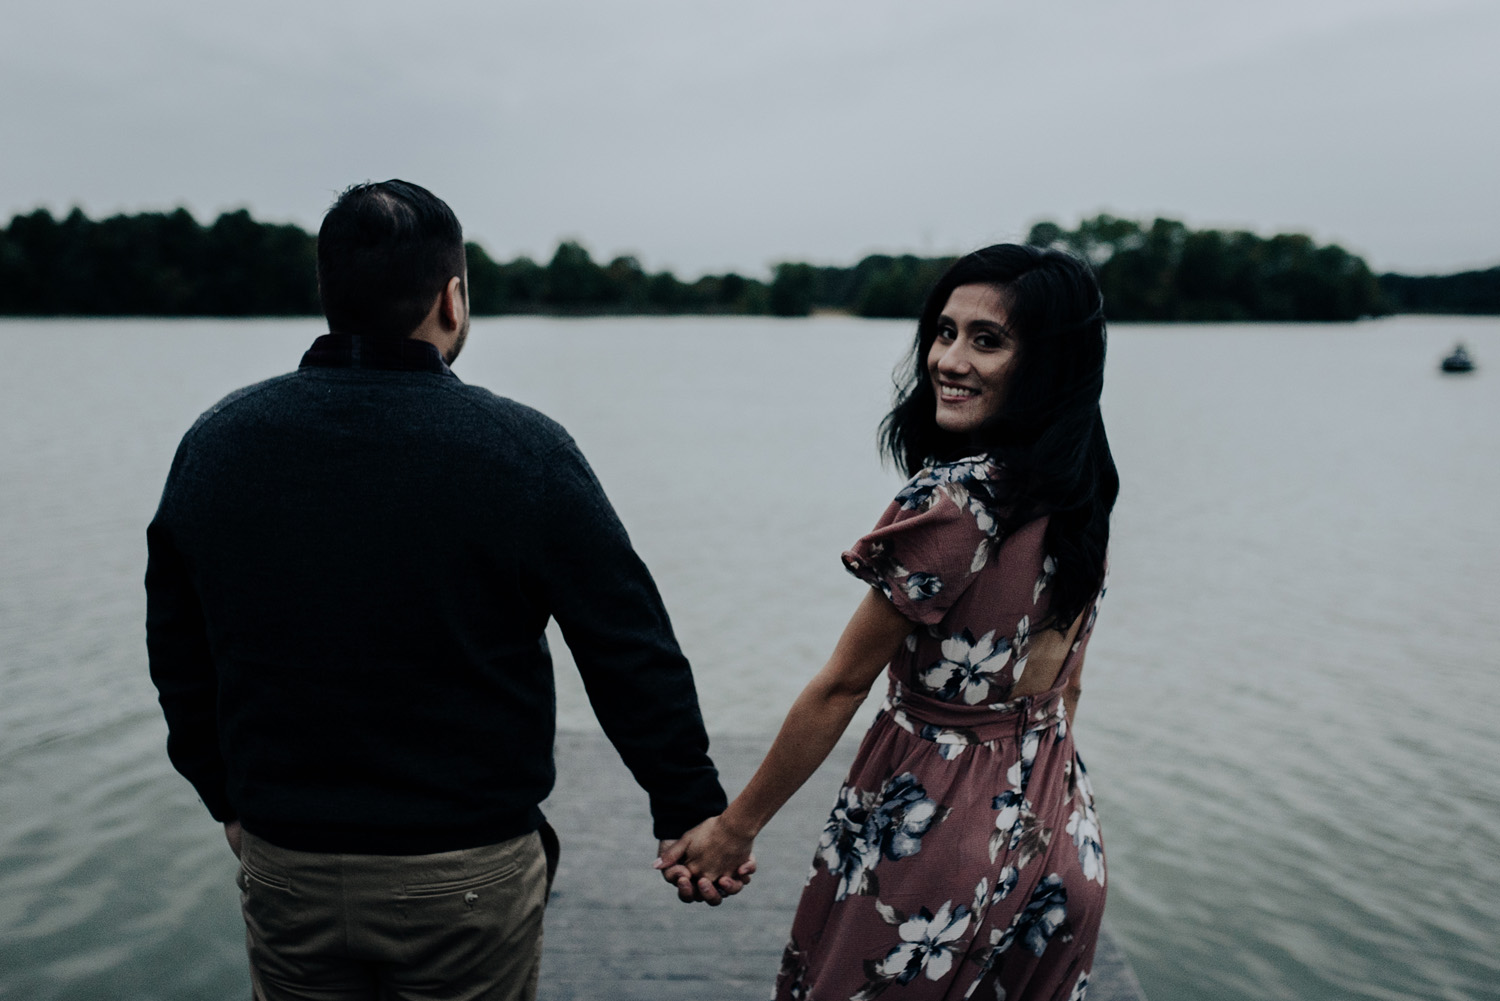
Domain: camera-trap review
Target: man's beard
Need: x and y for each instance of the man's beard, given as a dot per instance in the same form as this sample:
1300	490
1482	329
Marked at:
458	345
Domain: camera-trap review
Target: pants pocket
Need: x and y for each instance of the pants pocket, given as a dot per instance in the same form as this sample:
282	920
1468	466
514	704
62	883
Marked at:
500	879
254	870
474	869
487	876
479	933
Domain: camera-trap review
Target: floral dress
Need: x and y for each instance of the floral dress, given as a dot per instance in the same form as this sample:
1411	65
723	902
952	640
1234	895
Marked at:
963	857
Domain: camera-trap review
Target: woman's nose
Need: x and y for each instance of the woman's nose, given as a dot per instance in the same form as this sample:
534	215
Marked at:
955	359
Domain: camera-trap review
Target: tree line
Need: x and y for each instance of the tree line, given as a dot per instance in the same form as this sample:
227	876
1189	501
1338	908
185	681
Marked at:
168	264
1166	272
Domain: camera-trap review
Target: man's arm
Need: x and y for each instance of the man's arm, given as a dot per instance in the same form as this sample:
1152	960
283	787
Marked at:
182	668
615	624
817	719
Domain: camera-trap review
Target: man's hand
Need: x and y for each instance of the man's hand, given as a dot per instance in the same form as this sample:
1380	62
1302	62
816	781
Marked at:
232	835
708	863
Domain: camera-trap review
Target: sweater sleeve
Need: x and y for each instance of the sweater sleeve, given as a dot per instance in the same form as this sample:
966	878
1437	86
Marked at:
614	622
181	666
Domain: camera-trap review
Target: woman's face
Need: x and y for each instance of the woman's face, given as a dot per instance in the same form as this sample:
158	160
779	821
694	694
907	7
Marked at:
972	358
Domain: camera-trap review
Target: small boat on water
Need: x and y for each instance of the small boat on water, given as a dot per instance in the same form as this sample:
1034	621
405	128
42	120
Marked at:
1458	361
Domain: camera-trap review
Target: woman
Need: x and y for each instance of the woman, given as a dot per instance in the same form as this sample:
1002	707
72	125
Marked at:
963	853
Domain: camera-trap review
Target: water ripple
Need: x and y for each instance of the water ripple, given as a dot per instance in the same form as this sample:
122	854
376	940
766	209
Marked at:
1289	707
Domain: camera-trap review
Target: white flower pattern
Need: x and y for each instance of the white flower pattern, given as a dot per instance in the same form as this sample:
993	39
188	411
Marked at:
1049	569
1083	825
968	668
950	733
929	943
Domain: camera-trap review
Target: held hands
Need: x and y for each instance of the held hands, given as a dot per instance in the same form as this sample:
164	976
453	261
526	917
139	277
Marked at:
708	863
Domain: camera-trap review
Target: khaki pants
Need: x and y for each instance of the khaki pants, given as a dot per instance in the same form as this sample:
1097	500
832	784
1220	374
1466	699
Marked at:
454	925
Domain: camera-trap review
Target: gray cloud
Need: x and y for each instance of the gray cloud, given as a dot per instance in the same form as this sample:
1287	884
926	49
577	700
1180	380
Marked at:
706	136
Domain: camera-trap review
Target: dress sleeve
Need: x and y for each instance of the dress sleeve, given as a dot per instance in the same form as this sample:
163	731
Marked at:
922	557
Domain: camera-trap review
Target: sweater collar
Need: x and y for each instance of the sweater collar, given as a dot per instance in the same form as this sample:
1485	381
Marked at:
388	354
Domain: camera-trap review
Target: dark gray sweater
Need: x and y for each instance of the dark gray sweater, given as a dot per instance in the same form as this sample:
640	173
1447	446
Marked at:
349	576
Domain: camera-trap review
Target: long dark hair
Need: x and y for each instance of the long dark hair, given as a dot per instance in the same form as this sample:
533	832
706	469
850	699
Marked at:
1049	434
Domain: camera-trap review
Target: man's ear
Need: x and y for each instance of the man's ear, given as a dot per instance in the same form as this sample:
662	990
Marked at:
452	306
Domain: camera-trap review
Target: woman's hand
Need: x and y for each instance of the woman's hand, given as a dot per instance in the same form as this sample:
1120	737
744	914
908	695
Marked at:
708	863
711	859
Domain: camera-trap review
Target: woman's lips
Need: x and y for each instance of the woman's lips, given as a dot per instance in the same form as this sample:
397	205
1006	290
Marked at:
955	394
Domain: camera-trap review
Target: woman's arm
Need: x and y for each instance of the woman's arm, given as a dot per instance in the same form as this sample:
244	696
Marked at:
720	846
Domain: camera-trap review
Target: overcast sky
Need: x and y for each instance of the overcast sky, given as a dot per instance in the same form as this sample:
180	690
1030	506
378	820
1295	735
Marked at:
708	136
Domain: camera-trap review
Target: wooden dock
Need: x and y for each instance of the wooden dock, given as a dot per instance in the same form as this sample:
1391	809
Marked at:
616	932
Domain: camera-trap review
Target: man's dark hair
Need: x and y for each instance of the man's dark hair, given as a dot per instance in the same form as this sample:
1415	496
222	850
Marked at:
385	251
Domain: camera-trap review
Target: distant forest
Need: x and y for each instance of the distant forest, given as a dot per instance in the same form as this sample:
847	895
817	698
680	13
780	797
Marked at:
168	264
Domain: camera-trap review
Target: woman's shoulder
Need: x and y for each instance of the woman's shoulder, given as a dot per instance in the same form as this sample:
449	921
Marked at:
972	484
957	479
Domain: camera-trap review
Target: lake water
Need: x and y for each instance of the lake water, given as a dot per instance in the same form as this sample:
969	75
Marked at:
1292	705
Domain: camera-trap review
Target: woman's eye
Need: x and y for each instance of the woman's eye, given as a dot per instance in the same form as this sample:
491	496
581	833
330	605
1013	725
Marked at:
990	341
946	333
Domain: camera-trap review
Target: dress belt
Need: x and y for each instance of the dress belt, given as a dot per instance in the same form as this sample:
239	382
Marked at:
940	721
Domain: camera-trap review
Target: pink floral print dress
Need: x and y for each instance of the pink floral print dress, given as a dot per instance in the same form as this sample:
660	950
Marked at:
963	857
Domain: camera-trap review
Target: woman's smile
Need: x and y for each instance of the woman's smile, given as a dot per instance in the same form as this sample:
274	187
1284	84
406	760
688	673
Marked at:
948	391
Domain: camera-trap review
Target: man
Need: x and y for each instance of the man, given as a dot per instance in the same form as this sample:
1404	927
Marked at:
348	580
